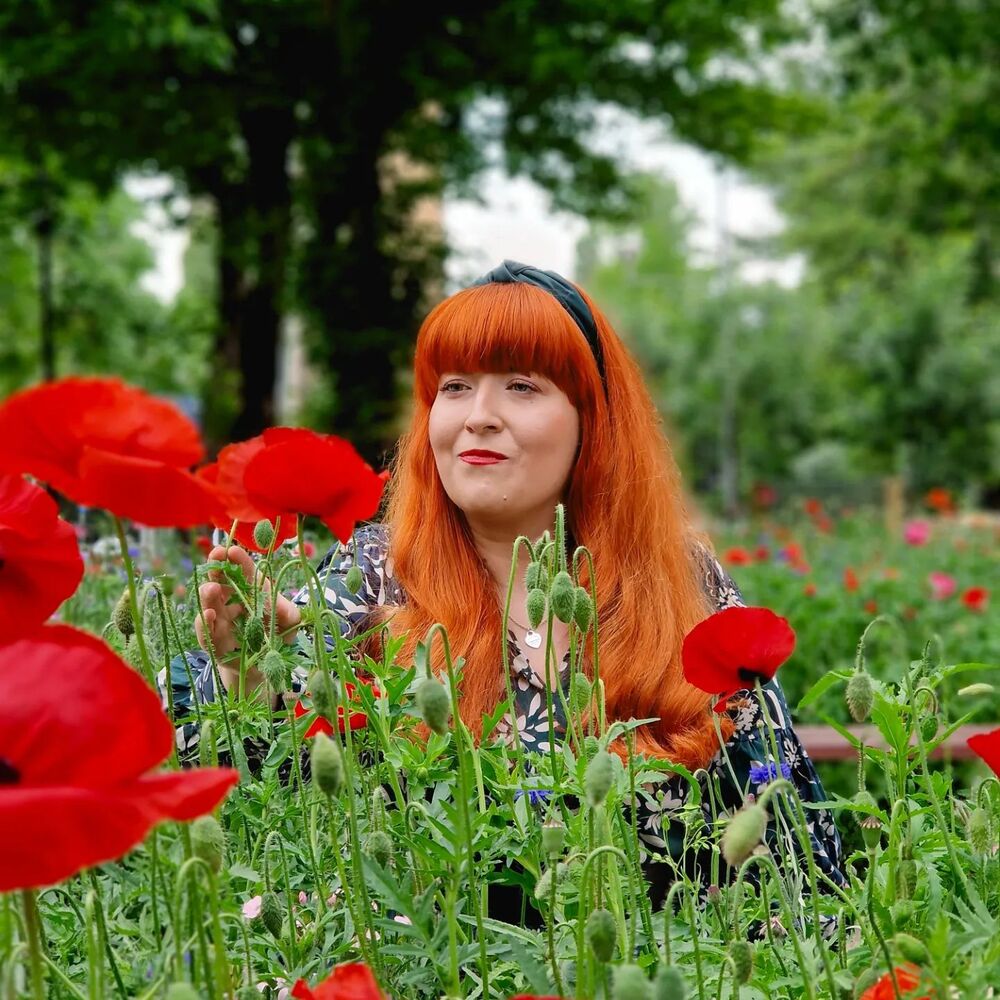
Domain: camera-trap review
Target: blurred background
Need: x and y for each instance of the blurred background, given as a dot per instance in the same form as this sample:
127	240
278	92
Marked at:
788	209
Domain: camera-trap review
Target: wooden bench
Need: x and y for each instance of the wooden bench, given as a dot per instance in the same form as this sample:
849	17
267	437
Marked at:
825	743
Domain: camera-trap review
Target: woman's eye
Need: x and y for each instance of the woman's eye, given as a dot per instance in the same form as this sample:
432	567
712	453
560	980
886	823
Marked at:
449	386
523	388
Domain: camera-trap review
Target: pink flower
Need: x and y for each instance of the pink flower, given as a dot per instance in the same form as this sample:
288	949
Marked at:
303	898
916	532
942	585
252	907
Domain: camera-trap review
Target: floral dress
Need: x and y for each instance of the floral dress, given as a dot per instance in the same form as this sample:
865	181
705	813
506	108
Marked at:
662	815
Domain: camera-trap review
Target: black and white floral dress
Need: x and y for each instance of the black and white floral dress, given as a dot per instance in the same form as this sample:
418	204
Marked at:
664	818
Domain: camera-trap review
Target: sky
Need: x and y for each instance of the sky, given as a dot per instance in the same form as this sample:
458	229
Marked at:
515	219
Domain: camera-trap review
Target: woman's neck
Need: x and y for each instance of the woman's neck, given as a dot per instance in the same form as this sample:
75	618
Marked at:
495	544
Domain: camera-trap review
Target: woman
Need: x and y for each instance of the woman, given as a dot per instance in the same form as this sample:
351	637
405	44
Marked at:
524	397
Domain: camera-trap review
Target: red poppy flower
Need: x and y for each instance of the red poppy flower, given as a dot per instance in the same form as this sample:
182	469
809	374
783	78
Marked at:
813	507
80	733
823	524
291	471
356	720
792	552
871	607
731	649
204	542
40	564
976	598
908	978
851	583
940	499
763	495
987	746
107	444
809	590
737	556
762	553
351	981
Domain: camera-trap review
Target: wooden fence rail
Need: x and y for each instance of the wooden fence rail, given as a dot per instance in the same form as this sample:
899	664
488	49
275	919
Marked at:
825	743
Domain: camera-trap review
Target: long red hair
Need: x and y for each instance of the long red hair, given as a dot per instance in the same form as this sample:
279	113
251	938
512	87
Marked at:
624	502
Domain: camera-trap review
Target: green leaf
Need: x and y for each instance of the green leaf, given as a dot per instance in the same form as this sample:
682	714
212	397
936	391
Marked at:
821	687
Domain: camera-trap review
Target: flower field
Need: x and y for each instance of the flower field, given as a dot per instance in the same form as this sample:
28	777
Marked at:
355	842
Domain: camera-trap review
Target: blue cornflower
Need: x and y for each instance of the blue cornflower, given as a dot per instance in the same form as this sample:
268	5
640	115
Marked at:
761	774
536	796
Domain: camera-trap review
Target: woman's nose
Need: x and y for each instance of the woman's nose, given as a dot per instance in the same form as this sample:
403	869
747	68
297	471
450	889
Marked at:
484	413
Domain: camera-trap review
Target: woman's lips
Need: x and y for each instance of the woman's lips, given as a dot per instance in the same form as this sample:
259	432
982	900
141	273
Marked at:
476	457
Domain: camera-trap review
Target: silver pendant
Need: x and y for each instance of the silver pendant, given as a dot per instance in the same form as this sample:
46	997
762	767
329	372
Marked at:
533	638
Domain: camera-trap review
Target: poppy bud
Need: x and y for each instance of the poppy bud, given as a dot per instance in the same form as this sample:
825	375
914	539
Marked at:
553	837
254	634
207	755
979	831
976	689
433	704
208	842
122	615
276	671
263	534
598	777
743	833
579	692
563	596
270	914
324	697
601	931
543	887
181	991
741	956
860	695
535	607
591	744
583	609
911	949
378	846
902	912
533	577
630	983
906	878
669	984
928	727
354	579
326	765
871	826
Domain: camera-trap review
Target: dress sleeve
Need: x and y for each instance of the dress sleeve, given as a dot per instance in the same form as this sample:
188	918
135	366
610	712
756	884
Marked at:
743	769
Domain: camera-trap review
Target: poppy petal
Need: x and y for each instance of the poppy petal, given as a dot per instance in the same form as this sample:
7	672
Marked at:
987	746
61	689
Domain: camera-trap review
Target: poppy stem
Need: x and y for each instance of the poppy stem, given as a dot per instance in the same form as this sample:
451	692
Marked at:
32	926
134	605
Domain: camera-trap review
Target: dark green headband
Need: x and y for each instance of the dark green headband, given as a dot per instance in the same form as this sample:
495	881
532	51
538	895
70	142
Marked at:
565	293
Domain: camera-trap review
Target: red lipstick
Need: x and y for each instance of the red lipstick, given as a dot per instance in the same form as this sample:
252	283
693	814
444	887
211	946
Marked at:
479	456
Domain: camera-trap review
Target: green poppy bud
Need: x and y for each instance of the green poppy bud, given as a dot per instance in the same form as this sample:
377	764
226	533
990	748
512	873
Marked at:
543	887
871	826
533	577
433	704
741	955
860	695
669	984
208	842
601	933
182	991
579	693
591	744
354	579
207	754
979	831
323	694
327	765
743	833
630	983
122	615
911	949
583	609
378	846
276	670
535	606
972	690
254	634
263	534
553	838
928	727
271	915
906	878
563	596
598	777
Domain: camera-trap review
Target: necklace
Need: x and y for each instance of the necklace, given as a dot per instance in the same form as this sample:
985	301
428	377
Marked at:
531	637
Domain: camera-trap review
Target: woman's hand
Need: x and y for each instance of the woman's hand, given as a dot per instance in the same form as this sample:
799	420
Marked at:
219	625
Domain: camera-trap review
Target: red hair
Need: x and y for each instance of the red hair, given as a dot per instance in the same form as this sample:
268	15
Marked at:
623	501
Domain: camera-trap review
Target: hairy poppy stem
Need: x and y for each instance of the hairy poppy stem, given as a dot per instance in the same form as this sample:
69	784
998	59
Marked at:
140	638
32	926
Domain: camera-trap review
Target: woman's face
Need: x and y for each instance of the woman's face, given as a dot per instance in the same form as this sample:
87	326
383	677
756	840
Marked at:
504	445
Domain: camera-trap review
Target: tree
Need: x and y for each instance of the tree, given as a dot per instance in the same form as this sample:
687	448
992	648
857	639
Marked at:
285	115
